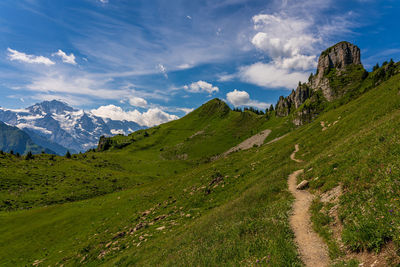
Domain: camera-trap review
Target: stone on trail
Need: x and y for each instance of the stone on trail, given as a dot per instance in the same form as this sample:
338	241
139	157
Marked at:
302	185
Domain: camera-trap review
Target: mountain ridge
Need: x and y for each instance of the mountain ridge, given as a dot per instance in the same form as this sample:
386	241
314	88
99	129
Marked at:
64	127
12	139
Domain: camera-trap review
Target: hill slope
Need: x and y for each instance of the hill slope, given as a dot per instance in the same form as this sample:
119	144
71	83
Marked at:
131	161
13	139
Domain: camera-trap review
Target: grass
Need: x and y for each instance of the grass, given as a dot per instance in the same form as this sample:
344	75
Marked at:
148	155
321	220
194	211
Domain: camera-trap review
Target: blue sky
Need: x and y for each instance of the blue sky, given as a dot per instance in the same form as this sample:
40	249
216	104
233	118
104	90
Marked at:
123	59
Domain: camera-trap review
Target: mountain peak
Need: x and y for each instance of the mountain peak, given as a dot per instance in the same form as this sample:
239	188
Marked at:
48	107
213	107
339	67
339	56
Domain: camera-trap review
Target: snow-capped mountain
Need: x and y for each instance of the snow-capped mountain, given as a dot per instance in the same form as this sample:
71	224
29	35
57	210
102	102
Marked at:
64	126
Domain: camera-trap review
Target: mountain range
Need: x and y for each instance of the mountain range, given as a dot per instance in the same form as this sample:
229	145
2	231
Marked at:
57	126
312	182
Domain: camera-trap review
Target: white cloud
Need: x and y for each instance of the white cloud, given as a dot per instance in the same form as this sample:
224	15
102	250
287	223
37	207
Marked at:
298	62
242	98
185	110
271	76
226	77
201	86
238	98
163	70
138	102
151	117
104	1
70	59
14	55
288	41
184	66
282	36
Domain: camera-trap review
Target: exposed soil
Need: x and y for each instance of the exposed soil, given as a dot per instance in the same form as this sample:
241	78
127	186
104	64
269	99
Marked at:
257	140
292	157
277	139
313	251
324	128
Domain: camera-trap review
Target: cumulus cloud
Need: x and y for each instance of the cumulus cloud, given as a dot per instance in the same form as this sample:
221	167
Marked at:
299	62
281	36
138	102
151	117
201	86
70	59
290	43
242	98
238	98
271	76
15	55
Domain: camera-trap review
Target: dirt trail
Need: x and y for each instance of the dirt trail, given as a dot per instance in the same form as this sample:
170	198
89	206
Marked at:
292	157
257	139
277	139
312	249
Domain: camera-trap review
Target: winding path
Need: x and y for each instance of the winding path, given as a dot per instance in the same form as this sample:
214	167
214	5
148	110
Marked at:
312	249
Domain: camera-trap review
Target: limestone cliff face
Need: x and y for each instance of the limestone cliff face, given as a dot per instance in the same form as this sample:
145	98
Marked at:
337	58
293	101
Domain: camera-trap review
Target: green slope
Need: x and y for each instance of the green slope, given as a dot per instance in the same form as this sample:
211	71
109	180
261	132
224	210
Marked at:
190	211
16	140
146	156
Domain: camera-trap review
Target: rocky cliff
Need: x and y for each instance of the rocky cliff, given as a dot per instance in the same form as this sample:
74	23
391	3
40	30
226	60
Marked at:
338	66
338	57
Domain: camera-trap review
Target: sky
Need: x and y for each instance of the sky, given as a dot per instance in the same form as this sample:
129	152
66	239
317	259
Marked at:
156	60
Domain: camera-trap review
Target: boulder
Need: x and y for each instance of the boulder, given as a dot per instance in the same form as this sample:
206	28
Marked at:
302	185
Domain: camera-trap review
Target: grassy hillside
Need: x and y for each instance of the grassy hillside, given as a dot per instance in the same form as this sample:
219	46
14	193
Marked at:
147	156
169	204
17	141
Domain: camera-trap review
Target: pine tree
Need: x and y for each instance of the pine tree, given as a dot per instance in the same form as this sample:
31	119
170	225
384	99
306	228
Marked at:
271	108
68	155
29	156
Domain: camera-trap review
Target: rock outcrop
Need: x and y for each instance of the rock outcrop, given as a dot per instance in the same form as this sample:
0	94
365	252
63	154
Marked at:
293	101
338	57
335	62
